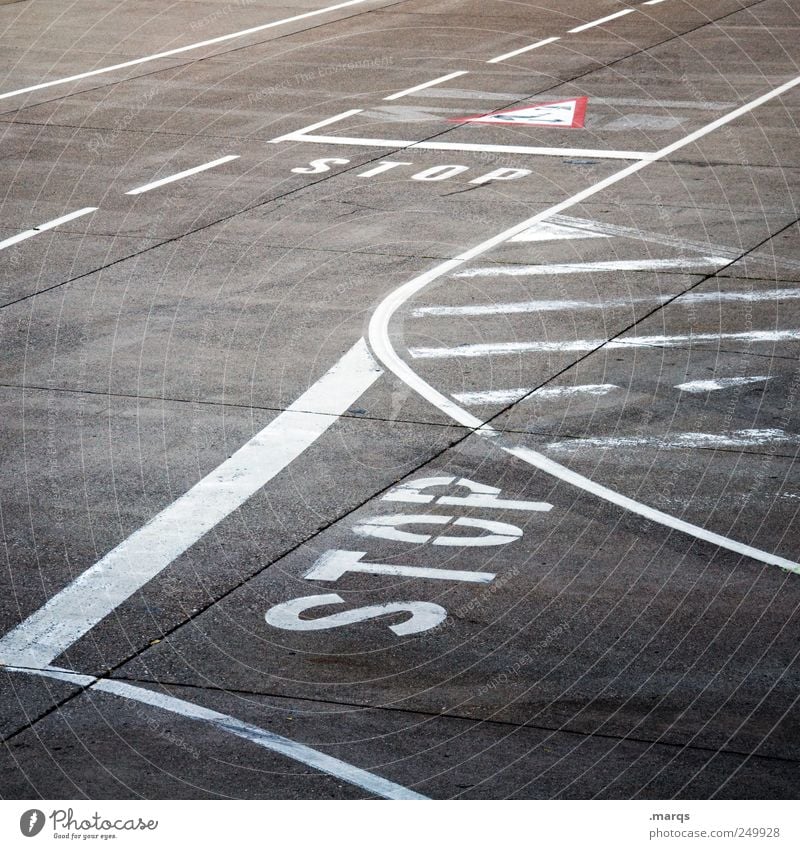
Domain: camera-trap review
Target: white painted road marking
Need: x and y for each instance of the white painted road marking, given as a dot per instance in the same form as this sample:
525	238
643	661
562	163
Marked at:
180	175
524	49
690	298
588	267
66	617
601	21
333	564
27	234
178	50
382	346
702	386
747	438
230	725
569	113
509	396
305	135
545	464
424	615
422	86
480	495
487	349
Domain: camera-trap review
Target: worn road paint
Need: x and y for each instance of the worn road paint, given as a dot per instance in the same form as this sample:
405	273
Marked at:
388	527
381	343
747	438
180	175
230	725
424	615
428	84
509	396
480	495
220	39
486	349
332	565
49	225
702	386
690	298
548	232
74	611
589	267
568	113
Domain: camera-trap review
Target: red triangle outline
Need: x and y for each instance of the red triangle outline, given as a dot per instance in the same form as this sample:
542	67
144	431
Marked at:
577	121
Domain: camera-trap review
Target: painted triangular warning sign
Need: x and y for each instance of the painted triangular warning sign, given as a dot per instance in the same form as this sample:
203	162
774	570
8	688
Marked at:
560	113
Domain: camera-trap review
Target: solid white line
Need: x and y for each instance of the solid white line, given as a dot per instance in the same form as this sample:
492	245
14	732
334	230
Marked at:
228	724
422	86
179	176
558	306
49	225
524	49
600	21
177	50
587	267
75	610
508	396
702	386
382	346
489	349
404	144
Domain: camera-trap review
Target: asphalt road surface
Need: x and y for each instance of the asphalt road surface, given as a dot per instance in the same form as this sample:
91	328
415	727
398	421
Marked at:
400	399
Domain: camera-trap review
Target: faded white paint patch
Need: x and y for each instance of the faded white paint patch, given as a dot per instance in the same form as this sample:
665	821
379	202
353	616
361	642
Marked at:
508	396
747	438
719	383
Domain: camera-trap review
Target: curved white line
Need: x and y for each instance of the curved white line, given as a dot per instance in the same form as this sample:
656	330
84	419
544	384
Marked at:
384	350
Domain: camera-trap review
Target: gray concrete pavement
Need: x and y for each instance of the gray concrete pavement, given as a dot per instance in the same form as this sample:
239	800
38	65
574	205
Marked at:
621	624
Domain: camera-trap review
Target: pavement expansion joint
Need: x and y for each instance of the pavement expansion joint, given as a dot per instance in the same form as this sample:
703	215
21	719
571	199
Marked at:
366	706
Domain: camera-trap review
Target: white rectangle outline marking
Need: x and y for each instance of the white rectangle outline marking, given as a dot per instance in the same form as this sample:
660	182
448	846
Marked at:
303	135
140	190
77	608
49	225
177	50
422	86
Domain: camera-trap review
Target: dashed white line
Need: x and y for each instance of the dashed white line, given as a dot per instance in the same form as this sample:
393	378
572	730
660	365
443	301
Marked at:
524	49
180	175
748	438
652	2
600	21
690	298
66	617
428	84
49	225
178	50
491	349
509	396
702	386
230	725
588	267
